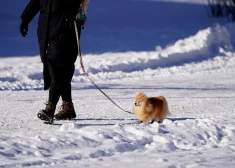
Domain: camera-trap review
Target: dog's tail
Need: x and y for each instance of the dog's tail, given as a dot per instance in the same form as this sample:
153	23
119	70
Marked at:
165	110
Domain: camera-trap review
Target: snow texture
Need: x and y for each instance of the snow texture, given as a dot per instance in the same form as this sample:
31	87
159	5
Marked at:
192	64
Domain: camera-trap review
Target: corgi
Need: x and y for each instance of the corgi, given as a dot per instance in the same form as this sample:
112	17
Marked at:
151	109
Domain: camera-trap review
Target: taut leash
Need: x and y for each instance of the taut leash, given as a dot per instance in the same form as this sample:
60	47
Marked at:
84	71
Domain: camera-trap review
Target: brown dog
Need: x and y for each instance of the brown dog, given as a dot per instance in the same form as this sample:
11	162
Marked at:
150	109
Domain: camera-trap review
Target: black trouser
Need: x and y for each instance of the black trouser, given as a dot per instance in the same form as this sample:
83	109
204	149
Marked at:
61	76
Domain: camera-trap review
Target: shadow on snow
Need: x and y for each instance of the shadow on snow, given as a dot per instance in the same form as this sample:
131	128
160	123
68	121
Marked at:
120	26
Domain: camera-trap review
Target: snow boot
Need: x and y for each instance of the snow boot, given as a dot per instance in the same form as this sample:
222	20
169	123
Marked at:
47	114
66	111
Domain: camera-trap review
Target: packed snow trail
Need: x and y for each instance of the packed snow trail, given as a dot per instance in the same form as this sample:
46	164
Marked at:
193	66
201	124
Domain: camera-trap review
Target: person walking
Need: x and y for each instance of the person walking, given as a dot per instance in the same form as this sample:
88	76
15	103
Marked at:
58	50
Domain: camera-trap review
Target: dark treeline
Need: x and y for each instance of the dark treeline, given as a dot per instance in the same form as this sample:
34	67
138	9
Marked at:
222	8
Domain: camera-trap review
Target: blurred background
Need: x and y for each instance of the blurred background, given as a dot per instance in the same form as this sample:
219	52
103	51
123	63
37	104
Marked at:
112	26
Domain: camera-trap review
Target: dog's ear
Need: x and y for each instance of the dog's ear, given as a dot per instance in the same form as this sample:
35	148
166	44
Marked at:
143	95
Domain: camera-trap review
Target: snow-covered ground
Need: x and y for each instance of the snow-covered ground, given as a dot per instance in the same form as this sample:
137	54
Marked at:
193	68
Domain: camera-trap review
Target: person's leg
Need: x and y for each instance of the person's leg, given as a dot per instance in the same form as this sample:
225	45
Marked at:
67	109
54	94
54	91
67	72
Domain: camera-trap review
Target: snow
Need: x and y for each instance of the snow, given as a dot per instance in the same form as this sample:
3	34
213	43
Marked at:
192	65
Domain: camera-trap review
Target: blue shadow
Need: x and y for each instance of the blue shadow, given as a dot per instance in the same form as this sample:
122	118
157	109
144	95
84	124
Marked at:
112	26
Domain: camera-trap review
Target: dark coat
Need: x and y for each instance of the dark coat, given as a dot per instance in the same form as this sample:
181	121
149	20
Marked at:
56	32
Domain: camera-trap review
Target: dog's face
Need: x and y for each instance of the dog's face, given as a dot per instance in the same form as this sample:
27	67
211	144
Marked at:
139	99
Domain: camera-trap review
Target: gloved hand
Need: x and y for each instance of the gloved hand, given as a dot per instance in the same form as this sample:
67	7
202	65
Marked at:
81	18
23	28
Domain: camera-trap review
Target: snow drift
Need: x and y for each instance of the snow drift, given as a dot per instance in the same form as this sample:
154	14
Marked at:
193	66
204	45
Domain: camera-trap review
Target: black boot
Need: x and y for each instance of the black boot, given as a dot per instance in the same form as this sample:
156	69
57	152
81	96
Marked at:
47	114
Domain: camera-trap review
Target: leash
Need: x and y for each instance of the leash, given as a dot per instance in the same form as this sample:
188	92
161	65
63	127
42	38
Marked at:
84	71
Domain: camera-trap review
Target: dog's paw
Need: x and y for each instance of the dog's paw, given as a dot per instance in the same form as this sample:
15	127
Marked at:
151	122
159	122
